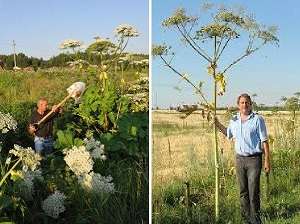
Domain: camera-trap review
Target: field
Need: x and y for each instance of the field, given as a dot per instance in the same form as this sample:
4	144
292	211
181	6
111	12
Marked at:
183	155
98	172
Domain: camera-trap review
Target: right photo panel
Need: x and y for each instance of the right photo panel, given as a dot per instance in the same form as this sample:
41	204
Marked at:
225	112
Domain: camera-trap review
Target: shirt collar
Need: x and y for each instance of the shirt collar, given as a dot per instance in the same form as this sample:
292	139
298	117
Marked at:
249	116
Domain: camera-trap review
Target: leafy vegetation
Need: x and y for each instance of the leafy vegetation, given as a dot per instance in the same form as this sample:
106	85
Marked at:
98	172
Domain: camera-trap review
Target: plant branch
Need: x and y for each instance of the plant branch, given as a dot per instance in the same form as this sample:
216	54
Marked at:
185	78
11	169
223	48
192	45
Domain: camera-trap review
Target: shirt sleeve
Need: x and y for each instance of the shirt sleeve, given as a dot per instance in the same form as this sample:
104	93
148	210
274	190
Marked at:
32	118
229	130
262	130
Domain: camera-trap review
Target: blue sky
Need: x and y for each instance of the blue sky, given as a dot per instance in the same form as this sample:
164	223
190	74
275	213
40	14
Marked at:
38	27
271	73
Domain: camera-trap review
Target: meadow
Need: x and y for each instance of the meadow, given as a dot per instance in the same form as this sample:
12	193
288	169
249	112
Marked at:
183	170
106	134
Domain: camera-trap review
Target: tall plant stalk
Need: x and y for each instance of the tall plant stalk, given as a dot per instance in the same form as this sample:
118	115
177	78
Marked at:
226	26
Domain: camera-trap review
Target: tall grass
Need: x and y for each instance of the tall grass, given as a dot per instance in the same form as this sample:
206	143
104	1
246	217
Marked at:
192	161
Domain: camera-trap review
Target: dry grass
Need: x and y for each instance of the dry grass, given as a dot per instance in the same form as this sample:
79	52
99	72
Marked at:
182	147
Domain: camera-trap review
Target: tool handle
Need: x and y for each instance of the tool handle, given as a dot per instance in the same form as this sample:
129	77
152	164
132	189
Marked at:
51	112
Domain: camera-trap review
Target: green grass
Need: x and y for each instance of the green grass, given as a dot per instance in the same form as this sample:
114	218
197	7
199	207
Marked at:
281	205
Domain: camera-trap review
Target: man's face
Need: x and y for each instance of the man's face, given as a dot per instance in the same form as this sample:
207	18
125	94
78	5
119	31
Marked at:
42	105
244	106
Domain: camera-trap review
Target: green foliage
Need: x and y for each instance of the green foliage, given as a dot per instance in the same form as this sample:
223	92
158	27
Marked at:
101	46
132	138
110	111
66	139
99	106
292	103
158	50
216	30
62	59
179	17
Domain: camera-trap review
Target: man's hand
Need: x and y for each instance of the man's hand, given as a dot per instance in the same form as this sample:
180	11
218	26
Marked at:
56	108
31	129
267	166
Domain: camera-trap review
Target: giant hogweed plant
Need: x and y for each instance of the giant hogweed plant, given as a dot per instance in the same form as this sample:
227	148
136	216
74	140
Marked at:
226	28
108	51
113	108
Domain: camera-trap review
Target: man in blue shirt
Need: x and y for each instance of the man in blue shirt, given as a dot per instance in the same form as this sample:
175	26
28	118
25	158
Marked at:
249	132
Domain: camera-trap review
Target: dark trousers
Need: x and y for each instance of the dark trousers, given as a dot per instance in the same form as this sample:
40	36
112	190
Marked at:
248	171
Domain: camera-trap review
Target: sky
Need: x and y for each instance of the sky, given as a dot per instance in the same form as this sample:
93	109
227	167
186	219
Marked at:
38	27
270	73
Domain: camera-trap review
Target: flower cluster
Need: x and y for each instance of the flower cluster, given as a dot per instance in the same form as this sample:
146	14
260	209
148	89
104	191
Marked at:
30	159
70	44
79	160
7	123
95	148
126	30
53	205
27	186
138	93
97	183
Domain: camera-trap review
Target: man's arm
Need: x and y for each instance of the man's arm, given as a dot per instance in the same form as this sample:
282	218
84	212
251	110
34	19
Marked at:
31	129
267	165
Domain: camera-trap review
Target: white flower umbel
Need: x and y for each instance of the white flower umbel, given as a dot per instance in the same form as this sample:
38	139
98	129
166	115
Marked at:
97	183
27	186
70	44
30	159
53	205
79	160
95	148
126	30
7	123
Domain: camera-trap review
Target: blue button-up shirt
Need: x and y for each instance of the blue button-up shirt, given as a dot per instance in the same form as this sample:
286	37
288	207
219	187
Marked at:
248	135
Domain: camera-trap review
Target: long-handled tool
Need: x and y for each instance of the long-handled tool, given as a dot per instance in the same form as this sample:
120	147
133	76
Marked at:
75	91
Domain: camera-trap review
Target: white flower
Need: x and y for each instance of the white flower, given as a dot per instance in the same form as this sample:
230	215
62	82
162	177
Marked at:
126	30
79	160
103	157
96	183
53	205
95	148
30	159
27	186
8	160
7	123
70	44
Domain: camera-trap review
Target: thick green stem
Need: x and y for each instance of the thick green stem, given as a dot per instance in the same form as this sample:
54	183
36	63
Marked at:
217	179
11	169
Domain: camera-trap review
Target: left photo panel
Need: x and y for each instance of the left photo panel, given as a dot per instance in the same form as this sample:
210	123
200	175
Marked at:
74	112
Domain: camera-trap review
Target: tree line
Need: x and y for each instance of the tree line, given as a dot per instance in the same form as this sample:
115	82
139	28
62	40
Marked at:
60	60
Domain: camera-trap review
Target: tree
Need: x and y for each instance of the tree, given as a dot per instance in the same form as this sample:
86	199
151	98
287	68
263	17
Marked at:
226	27
254	103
